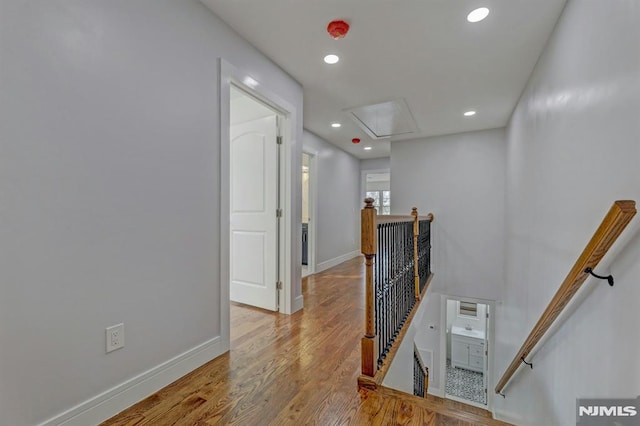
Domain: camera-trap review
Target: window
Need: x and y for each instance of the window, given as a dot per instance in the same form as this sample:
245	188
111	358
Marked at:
468	309
381	201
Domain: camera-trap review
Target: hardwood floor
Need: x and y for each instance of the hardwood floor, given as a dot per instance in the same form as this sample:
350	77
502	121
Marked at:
297	369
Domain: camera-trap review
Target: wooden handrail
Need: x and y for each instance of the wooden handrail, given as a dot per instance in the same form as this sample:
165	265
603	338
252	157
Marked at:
612	225
369	247
386	218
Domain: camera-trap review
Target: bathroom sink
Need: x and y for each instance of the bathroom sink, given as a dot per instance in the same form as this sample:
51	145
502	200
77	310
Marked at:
461	331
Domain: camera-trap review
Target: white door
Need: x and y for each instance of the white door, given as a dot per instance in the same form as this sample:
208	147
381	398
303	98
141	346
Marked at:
254	236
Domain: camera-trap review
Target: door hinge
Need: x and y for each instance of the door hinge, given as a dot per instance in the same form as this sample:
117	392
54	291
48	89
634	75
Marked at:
279	285
486	314
278	212
279	140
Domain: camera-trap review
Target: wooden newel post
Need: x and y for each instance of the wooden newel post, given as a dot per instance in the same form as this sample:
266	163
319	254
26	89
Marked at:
426	381
368	247
416	232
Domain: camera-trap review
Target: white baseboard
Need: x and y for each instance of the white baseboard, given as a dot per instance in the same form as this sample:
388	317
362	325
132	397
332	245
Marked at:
436	392
298	303
124	395
505	417
323	266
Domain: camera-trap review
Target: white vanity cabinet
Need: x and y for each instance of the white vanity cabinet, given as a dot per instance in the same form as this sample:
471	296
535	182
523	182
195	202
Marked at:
467	352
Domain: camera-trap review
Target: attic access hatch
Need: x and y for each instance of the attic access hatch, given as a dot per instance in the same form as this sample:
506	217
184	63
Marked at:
384	120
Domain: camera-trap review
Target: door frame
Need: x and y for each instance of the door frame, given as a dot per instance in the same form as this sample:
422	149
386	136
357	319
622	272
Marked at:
490	344
265	92
313	210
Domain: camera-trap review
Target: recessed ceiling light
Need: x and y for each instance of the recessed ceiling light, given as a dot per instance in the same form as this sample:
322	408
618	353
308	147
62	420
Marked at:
336	125
331	59
478	15
469	113
367	148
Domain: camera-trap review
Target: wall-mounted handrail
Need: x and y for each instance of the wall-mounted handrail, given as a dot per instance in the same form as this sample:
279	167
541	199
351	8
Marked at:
612	225
397	272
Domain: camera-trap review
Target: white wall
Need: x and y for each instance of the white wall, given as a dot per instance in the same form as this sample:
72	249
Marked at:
376	163
460	178
574	148
338	204
109	191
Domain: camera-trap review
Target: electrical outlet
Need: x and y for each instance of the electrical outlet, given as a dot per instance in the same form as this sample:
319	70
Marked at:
115	337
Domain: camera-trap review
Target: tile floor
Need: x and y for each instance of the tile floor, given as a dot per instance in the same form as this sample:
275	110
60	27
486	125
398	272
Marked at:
465	384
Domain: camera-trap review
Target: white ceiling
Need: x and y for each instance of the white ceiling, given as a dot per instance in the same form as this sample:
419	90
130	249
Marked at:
424	51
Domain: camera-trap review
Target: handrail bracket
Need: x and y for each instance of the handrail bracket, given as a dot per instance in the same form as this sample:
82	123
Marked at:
609	277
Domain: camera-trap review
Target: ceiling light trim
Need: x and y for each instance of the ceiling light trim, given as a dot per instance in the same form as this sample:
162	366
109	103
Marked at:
479	14
331	59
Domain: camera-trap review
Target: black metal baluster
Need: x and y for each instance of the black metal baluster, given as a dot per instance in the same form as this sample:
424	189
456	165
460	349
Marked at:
428	247
396	280
405	302
401	228
392	292
385	292
383	344
383	308
378	283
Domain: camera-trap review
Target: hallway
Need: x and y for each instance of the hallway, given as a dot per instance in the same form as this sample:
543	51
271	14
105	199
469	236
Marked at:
281	369
298	369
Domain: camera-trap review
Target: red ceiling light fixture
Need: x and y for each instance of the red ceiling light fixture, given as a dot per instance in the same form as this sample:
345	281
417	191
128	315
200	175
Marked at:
355	140
337	29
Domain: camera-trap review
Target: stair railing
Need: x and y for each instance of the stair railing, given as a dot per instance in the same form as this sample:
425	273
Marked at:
420	374
397	252
612	225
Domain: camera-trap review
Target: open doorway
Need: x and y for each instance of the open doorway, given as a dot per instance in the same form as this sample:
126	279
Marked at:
308	213
467	348
283	292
